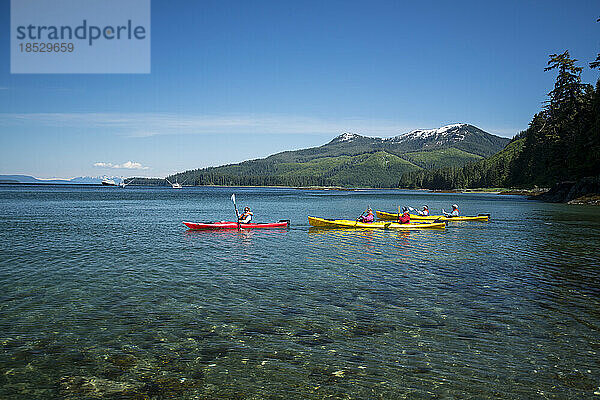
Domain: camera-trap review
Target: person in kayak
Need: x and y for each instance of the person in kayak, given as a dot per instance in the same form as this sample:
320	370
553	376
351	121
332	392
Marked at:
454	212
425	211
367	218
246	217
405	217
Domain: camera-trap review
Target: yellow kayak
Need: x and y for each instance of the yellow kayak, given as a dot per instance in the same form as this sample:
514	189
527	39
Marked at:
391	216
345	223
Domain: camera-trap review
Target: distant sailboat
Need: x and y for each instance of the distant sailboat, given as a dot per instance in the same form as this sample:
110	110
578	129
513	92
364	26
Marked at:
123	183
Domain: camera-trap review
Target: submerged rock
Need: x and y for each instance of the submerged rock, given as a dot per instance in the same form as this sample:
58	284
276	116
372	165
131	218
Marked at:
431	325
316	340
260	328
212	353
168	386
75	387
122	361
576	379
309	330
322	374
370	329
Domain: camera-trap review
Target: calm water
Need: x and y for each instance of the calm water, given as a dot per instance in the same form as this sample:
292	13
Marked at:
105	294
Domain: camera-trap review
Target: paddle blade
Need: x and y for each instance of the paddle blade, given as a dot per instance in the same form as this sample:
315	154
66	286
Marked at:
233	197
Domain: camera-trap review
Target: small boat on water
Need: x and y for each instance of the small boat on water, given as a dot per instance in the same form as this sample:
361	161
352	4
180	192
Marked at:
345	223
392	216
108	182
174	185
235	225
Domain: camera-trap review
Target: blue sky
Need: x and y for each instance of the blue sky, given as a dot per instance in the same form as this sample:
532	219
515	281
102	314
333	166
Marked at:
237	80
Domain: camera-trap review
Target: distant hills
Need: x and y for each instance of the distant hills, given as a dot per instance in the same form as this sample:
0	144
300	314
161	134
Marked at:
355	160
90	180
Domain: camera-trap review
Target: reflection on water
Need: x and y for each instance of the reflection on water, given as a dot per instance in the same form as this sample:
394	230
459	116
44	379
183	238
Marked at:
104	294
371	244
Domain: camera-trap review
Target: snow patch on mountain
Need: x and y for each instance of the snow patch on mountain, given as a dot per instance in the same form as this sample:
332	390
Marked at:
346	137
447	130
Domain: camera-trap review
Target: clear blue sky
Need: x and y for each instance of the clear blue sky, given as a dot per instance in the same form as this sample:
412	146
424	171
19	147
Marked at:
237	80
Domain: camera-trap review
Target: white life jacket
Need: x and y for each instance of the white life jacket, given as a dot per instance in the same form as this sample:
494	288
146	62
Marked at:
246	217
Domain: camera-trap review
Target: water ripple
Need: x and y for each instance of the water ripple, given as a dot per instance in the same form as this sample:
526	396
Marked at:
105	294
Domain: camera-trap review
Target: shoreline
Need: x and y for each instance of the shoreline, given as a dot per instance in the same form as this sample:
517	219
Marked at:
539	194
502	191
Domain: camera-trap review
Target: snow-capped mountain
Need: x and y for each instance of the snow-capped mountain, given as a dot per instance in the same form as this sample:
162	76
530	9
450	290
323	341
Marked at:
349	137
444	131
461	136
346	137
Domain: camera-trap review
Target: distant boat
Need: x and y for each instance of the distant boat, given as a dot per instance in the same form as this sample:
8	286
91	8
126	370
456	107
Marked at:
108	182
123	184
174	185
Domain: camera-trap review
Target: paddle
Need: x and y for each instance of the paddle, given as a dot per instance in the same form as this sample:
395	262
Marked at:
237	214
359	217
363	213
399	213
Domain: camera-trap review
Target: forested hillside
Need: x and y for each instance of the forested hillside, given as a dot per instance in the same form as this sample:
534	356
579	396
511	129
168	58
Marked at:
355	160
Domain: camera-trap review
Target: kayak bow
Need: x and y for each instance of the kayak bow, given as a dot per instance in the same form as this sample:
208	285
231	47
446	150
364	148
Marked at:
344	223
234	225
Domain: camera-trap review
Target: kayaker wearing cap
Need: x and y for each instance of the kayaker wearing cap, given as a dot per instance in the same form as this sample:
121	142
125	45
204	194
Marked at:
425	211
367	218
405	217
454	212
246	216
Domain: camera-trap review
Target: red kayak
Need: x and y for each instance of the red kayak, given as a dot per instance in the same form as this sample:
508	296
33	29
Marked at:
234	225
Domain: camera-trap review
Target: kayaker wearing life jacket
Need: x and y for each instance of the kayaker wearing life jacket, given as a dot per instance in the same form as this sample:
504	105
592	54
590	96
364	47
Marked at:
425	211
454	212
367	218
246	216
405	217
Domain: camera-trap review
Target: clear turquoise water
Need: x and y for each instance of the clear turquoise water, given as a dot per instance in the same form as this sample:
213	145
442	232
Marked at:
105	294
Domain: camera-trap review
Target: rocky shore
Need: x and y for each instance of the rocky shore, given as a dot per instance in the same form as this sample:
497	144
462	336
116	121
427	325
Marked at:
584	191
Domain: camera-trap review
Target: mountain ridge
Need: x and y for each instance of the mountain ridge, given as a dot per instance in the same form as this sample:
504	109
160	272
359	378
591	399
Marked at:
345	159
